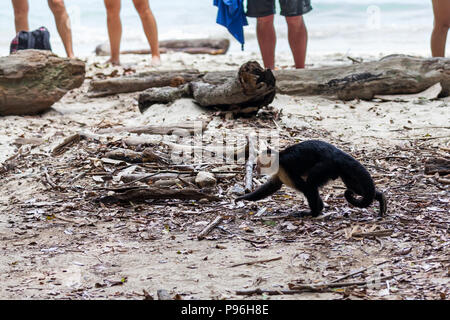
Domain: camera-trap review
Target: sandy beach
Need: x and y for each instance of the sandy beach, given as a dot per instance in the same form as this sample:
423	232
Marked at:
58	243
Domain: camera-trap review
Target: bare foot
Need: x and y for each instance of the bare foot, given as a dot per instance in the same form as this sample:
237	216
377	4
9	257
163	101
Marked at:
156	61
114	63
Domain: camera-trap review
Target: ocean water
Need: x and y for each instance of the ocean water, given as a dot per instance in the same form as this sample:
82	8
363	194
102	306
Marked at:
335	26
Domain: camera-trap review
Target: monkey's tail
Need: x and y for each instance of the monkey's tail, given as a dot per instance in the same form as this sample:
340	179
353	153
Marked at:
363	202
383	202
273	185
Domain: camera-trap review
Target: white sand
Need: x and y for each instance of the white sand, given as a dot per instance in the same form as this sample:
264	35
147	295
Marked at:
157	264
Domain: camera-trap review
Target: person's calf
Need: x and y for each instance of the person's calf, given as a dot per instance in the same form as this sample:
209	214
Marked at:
298	38
266	35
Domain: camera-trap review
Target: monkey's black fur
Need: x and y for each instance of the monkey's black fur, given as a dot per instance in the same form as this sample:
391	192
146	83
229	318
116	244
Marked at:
311	164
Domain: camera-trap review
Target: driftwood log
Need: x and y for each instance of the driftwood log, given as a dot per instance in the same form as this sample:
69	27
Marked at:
392	75
31	81
191	46
250	89
397	74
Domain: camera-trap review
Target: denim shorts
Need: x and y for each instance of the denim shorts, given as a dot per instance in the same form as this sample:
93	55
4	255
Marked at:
289	8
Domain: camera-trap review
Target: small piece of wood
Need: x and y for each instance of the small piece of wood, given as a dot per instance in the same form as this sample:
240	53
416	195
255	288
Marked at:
173	182
250	164
134	177
127	155
358	271
437	165
378	233
232	153
443	181
255	262
209	228
66	144
49	180
186	128
140	194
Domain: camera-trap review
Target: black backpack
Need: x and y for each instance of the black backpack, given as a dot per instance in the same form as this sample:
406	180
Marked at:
37	39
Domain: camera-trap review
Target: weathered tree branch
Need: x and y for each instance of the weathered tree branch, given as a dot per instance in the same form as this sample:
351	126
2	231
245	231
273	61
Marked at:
142	81
182	128
139	194
192	46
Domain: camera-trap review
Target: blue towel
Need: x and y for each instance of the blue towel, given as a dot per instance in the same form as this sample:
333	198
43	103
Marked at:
231	15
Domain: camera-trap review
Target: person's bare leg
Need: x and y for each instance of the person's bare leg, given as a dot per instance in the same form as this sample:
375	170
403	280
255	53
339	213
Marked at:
21	15
441	10
267	39
150	28
62	24
298	39
114	29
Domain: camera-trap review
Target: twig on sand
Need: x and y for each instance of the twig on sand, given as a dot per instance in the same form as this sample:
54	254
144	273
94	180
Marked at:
250	164
49	180
64	146
209	228
255	262
379	233
249	174
295	289
358	272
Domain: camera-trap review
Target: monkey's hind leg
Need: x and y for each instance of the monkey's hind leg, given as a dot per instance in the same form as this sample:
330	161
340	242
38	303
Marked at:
383	202
317	176
314	201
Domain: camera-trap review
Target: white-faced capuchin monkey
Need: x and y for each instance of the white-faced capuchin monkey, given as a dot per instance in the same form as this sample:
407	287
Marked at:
308	165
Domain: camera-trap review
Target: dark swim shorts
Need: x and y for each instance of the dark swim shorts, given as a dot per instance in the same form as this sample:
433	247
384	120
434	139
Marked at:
289	8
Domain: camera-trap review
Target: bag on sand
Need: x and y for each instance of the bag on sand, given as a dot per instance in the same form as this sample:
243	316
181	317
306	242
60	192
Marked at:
37	39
